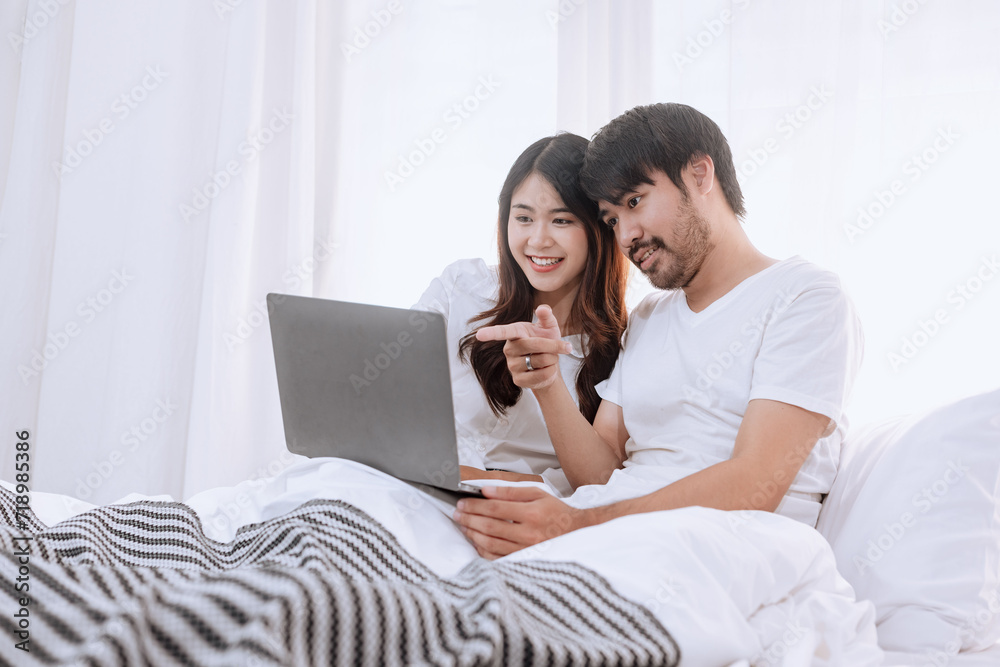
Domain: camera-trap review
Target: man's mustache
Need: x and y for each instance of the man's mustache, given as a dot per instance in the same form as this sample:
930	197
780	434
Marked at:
639	249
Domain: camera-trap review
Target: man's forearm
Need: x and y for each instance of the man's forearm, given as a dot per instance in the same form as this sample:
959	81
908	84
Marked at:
727	485
584	455
773	442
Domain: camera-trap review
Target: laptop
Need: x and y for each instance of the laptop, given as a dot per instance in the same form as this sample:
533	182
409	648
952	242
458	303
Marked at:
368	383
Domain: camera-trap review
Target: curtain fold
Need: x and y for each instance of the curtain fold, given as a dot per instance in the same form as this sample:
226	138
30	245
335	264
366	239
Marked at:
36	66
187	131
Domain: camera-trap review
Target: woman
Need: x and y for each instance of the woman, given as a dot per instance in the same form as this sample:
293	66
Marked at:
554	251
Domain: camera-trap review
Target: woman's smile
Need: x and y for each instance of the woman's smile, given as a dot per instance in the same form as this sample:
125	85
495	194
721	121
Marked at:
544	264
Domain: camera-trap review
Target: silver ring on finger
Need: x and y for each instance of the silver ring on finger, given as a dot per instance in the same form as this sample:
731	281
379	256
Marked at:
527	362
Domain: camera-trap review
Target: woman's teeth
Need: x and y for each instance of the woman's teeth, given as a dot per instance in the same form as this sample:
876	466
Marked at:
547	261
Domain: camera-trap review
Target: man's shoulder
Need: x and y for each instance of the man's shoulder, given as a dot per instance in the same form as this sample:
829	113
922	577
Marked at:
799	271
655	303
805	290
796	275
654	306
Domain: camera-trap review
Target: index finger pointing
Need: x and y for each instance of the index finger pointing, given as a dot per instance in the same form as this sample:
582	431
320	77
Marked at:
503	332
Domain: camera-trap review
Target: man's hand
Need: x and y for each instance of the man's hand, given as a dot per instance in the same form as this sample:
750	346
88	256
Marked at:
542	342
512	518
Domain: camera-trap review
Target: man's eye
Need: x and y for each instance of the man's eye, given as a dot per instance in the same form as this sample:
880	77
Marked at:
611	222
634	201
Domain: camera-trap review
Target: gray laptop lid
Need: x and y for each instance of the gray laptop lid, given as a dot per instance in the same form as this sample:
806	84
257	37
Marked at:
366	383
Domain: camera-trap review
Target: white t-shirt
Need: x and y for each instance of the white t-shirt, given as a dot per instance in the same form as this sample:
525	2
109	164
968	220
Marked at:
788	333
518	441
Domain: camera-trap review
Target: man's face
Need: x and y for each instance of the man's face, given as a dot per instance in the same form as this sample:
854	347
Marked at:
660	231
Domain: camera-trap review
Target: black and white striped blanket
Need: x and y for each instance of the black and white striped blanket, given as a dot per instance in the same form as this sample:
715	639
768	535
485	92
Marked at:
141	584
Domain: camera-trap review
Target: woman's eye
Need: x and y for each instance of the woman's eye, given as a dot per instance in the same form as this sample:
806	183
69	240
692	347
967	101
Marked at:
634	201
562	221
523	219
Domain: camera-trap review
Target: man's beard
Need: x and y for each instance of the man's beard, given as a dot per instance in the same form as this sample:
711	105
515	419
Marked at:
680	262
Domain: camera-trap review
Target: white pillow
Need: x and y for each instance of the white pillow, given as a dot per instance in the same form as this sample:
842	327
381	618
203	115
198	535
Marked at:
914	521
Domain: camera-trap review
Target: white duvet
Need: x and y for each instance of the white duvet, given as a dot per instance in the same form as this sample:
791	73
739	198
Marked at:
733	588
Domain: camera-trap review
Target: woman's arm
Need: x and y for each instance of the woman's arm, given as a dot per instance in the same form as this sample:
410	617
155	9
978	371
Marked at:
468	472
588	453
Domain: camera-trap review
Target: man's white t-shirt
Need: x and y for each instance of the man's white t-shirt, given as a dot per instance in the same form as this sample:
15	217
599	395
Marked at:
517	441
788	333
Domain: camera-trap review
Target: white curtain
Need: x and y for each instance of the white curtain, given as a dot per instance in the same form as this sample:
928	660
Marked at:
218	150
160	178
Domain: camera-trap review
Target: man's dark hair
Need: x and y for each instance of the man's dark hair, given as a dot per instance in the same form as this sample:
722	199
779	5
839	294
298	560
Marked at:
664	137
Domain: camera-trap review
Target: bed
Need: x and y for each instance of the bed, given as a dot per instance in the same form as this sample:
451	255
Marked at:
331	562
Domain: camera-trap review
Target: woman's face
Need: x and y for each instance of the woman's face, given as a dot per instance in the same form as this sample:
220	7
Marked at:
548	242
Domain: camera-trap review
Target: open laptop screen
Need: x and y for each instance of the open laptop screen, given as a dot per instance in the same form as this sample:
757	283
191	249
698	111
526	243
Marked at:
366	383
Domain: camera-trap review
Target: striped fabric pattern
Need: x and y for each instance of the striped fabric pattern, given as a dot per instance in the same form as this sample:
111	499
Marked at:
325	584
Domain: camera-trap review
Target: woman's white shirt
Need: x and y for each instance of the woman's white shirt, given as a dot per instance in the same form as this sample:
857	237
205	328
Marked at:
517	441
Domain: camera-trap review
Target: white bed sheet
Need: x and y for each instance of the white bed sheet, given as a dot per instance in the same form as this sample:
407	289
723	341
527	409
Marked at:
730	587
988	658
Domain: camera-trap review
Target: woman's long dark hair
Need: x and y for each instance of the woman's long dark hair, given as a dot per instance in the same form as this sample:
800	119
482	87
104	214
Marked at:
599	309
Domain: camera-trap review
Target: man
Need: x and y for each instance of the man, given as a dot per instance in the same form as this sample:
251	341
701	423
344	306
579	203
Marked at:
730	388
